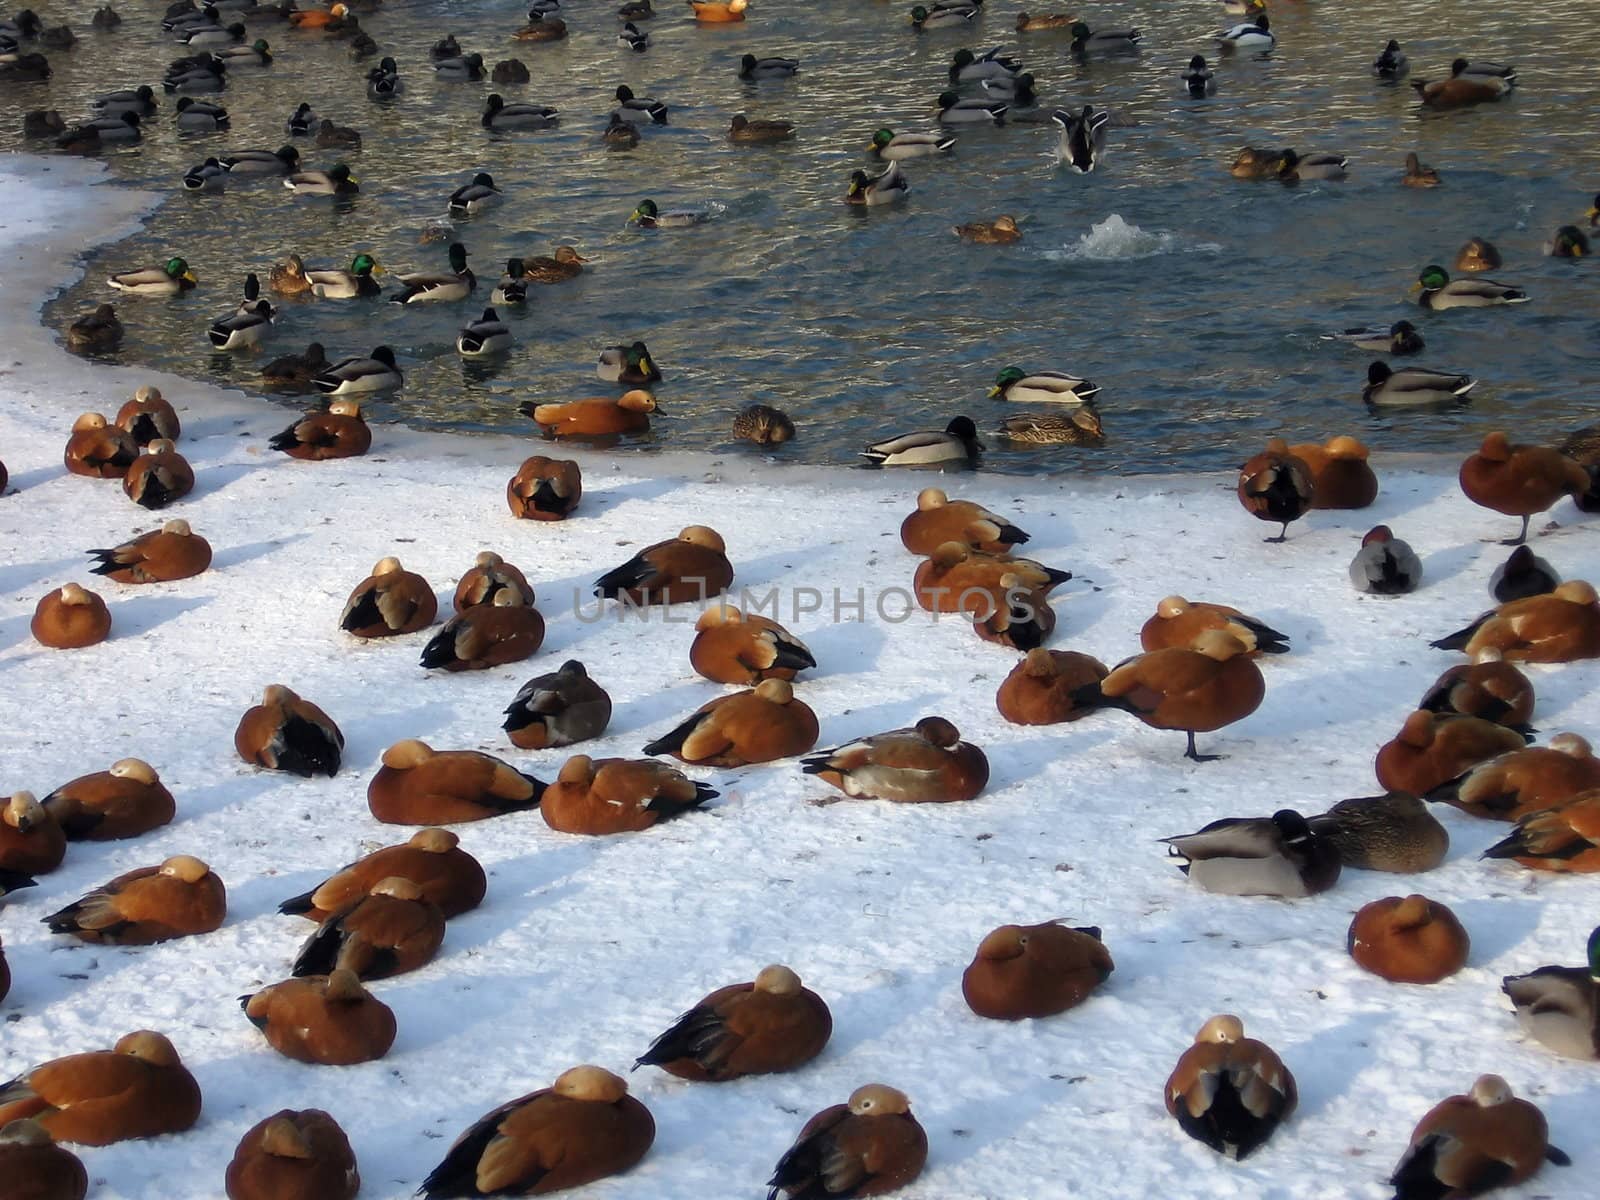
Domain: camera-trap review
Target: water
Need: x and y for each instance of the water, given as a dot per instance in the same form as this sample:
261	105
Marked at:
1193	299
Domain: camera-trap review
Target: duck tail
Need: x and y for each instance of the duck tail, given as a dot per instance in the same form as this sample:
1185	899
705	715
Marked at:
1459	639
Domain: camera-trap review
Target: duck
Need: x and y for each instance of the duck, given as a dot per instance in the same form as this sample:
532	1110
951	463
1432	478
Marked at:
942	16
1385	565
360	374
1522	779
746	132
12	882
1294	167
1460	90
289	278
1408	940
28	1152
211	35
296	370
507	629
511	70
1040	689
98	449
1411	387
199	116
631	365
513	285
1020	618
70	618
583	1127
1276	486
597	797
170	280
99	331
461	68
1417	175
359	280
243	329
1567	242
318	18
1391	63
545	489
762	724
954	109
565	264
293	1154
1196	689
180	898
636	10
890	146
1341	477
336	181
926	763
32	842
764	1026
937	519
594	416
488	576
1278	856
1561	626
631	37
689	568
1476	254
1564	838
384	82
1433	749
1438	291
753	69
1488	687
648	216
498	115
331	136
763	425
283	161
1083	137
872	1139
1523	574
302	122
1255	163
138	1089
390	931
638	110
560	708
287	733
126	801
957	578
1199	80
338	431
1466	1145
149	416
486	336
1559	1007
432	859
25	68
998	232
158	476
1036	22
744	648
1042	387
1230	1092
141	100
1583	447
1397	339
390	602
889	187
417	785
1520	480
1249	35
715	11
967	67
1101	42
957	443
620	134
161	556
1394	832
435	286
1027	971
1181	623
470	199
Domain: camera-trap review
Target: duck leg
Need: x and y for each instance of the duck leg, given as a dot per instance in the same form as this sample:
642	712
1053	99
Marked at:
1190	753
1283	536
1520	538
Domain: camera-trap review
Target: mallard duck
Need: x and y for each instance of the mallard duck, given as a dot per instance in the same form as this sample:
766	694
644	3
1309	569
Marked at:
375	372
636	10
1255	163
1041	387
998	232
106	17
428	286
466	68
471	199
1244	8
107	130
25	68
942	16
384	82
1384	565
1478	255
330	136
566	264
967	67
41	123
631	37
485	336
759	133
296	370
347	285
169	280
1278	855
511	70
620	134
257	54
302	121
648	216
1083	137
631	365
141	100
1417	175
262	162
892	146
1199	80
1462	68
639	110
1292	167
242	330
1249	35
1400	338
499	115
1015	90
1560	1006
957	443
445	47
1106	41
1392	63
718	11
1568	242
99	330
213	35
954	110
772	67
1393	832
1411	386
206	76
541	29
1034	22
869	191
288	278
513	285
1079	427
200	116
210	176
1437	291
763	424
336	181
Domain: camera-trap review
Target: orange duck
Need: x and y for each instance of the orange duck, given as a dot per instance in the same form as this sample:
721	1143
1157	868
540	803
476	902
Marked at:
745	648
1560	626
317	18
486	578
1340	476
30	1158
158	476
1520	480
1179	623
545	489
872	1140
583	1127
764	1027
294	1156
755	726
926	764
1022	621
1522	780
939	519
432	859
506	630
1039	689
330	1020
393	929
1490	689
1194	690
127	801
1276	486
1410	940
1432	749
389	602
31	840
99	450
690	568
1034	971
957	578
70	618
339	431
596	416
1229	1091
420	786
1564	838
716	11
149	416
286	733
172	552
1470	1144
139	1089
618	795
180	898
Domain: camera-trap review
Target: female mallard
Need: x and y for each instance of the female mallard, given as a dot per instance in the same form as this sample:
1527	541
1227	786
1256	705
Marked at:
1034	22
169	280
1292	167
1083	137
958	443
1568	242
375	372
347	285
281	161
636	10
953	110
1478	255
1400	338
1042	387
942	16
631	37
200	116
336	181
141	100
302	121
487	335
1388	388
1106	41
1080	427
869	191
772	67
998	232
648	216
1460	90
627	364
639	110
242	329
892	146
1254	163
333	137
499	115
1392	64
1560	1006
471	199
465	68
566	264
1199	80
1437	290
289	278
620	134
1417	175
763	424
296	370
429	286
99	330
209	176
967	67
1249	35
758	133
718	11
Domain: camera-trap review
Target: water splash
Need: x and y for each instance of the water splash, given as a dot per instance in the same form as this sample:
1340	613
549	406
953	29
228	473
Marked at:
1116	238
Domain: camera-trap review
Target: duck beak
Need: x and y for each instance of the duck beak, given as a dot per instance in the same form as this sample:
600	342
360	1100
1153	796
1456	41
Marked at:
1592	213
1415	287
377	270
354	180
190	277
581	258
994	391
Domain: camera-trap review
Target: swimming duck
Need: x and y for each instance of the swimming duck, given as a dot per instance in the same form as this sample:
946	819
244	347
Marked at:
99	330
566	264
1560	1006
639	110
1520	480
1564	838
768	1025
28	1152
545	489
93	136
745	648
242	330
317	18
333	284
1180	623
714	11
359	374
1400	338
753	69
470	199
631	37
170	280
181	898
1478	255
1340	474
759	133
596	798
966	67
636	10
485	336
436	286
1083	138
1470	1144
158	476
648	216
925	764
69	618
1042	387
1432	750
689	568
197	116
141	100
203	73
942	16
384	82
887	188
431	858
760	725
31	840
287	733
148	416
1254	163
1410	940
542	28
293	1154
1276	486
99	449
1460	90
257	54
336	181
1562	626
1026	971
1462	67
557	709
1230	1092
594	416
1249	35
1199	80
1278	855
956	110
763	425
138	1089
499	115
464	68
391	930
1412	386
106	17
506	629
282	161
1394	832
620	134
302	122
583	1127
937	519
1294	167
1104	41
628	364
1385	565
892	146
1593	213
331	136
1417	175
1520	780
511	70
391	601
957	443
1488	687
1568	242
418	785
1391	63
25	68
513	285
1080	427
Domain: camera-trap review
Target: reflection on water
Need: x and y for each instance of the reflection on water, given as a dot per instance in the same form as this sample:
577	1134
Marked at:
1193	299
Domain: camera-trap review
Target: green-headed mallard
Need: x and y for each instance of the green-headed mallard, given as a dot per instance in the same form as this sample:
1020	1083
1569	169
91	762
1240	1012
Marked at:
942	16
998	232
99	330
967	67
470	199
243	328
627	364
957	443
1278	855
347	285
296	370
93	136
758	133
1078	427
1293	167
1249	35
773	67
871	190
487	335
262	162
463	68
639	110
953	110
1106	41
200	116
1568	242
566	264
499	115
336	181
1560	1006
1388	388
1083	137
648	216
892	146
384	82
257	54
428	286
1437	290
1400	338
141	100
375	372
168	280
762	424
1041	387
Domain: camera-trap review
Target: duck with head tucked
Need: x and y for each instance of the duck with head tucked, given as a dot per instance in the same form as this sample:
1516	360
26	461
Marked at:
769	1025
1559	1007
1467	1145
870	1145
927	763
1230	1092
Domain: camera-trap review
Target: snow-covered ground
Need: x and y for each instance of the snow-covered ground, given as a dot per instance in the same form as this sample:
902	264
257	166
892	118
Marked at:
587	948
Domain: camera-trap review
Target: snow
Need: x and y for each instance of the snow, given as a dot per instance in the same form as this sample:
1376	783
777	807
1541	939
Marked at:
587	948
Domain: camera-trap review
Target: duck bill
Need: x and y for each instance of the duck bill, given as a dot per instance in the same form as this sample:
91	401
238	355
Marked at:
1593	213
994	392
189	277
1415	288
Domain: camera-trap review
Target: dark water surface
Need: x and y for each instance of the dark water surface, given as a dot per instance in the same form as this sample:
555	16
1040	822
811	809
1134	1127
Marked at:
1193	299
